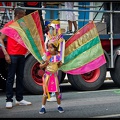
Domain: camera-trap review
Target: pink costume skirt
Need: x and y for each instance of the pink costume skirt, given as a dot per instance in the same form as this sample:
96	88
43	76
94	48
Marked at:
50	83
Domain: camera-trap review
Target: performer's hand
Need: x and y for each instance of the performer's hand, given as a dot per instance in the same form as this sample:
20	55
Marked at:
46	62
60	64
44	65
40	66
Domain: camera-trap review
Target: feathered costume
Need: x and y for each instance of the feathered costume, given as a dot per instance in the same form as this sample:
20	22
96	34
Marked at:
82	52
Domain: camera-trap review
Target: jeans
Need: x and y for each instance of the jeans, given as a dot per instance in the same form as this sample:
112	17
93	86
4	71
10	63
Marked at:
15	68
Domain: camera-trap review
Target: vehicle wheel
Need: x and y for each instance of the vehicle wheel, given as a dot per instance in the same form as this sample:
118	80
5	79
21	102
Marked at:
89	81
115	72
33	76
3	74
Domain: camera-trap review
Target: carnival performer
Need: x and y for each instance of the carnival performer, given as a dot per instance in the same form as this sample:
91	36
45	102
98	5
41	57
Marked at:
52	61
52	95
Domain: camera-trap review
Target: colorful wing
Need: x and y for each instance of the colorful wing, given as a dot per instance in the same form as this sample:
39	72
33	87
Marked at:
83	51
28	32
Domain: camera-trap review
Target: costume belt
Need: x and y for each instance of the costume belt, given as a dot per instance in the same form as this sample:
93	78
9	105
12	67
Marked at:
49	73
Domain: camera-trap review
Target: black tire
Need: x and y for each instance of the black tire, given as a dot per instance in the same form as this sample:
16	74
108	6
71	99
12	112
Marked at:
96	79
115	72
3	74
31	74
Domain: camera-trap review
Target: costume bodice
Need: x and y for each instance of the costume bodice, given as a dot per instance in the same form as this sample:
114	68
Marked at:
53	63
52	67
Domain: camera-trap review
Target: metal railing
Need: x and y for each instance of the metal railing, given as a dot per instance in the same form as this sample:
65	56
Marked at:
58	9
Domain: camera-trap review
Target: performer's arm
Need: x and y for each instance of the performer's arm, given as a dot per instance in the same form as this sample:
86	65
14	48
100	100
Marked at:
44	65
60	64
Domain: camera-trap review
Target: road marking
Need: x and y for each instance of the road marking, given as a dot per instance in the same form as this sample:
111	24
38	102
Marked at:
107	116
117	91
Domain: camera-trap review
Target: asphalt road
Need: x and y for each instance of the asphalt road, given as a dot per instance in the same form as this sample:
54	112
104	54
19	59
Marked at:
102	103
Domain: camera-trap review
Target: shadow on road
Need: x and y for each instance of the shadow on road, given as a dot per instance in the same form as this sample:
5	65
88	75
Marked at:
67	87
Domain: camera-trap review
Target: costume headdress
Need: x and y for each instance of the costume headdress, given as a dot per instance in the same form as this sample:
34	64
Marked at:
56	38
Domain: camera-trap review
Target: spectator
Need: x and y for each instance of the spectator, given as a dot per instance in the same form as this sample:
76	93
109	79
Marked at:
70	17
15	57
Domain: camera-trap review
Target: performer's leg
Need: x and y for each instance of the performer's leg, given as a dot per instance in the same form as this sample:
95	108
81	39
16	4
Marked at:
58	98
42	110
60	109
44	99
45	83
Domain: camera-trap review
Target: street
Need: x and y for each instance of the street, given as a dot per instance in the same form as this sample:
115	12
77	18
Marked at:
101	103
89	46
